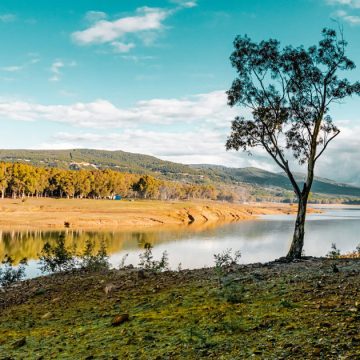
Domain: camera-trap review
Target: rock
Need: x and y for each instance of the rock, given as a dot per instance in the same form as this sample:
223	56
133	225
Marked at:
20	343
119	319
109	288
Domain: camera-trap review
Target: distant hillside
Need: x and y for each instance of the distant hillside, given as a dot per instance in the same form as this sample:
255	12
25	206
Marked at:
145	164
268	179
101	159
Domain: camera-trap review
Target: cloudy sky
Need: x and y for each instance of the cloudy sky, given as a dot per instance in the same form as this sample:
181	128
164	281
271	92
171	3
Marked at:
149	76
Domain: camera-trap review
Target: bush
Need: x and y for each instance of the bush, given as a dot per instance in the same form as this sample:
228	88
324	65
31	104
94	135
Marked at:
334	253
232	291
147	261
224	260
122	262
57	258
9	274
94	262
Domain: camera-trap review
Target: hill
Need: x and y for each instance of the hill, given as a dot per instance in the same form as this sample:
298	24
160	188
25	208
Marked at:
145	164
265	178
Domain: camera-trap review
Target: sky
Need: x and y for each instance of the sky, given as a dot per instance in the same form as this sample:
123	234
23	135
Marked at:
150	76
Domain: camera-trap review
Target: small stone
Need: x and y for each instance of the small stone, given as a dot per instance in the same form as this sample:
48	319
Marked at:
109	288
119	319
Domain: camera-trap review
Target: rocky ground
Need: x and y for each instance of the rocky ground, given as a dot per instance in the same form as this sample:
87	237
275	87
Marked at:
303	310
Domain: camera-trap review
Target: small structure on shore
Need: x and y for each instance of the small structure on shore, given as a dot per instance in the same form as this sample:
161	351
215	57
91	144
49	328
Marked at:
117	197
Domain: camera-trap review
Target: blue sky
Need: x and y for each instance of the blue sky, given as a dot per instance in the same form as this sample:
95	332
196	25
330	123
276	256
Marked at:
149	76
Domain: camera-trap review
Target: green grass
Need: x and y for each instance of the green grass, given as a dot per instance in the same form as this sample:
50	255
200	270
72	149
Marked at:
295	311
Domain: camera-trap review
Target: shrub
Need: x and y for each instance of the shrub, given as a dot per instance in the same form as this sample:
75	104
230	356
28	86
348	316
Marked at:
10	274
334	253
57	258
94	262
147	261
232	291
224	260
122	261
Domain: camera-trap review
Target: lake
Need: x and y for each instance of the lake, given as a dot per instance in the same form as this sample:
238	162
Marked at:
258	240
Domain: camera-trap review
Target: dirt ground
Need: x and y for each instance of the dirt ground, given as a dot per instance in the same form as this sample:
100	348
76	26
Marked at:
48	213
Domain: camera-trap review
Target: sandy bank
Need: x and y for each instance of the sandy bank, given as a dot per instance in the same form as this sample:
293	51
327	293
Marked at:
103	214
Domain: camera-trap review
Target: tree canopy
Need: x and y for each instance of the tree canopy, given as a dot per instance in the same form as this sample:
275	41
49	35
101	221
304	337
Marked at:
289	92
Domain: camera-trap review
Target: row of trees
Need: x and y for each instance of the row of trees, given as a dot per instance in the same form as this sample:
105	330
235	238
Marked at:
21	180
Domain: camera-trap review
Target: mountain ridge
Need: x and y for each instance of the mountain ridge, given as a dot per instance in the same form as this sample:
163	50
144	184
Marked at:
146	164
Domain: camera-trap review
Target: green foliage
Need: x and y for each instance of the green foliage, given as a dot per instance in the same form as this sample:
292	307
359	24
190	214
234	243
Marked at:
224	260
9	274
232	291
147	261
21	180
334	253
56	258
94	261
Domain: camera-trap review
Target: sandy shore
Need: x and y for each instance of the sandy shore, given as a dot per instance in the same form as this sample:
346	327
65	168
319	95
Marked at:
103	214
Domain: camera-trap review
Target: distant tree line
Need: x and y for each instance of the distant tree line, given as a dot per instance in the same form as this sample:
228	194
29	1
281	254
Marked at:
25	180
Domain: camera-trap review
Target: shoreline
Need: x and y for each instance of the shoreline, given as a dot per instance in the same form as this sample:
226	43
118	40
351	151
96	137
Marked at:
85	214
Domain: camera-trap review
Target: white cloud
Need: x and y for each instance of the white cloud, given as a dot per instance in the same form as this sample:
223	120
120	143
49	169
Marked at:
33	59
145	24
103	31
185	3
350	3
56	68
12	68
138	58
206	108
93	16
341	159
351	19
121	47
7	18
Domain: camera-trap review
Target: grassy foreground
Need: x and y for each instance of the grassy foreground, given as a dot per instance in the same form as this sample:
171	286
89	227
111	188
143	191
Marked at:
303	310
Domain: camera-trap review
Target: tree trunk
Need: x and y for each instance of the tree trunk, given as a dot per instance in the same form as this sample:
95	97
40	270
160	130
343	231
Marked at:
299	232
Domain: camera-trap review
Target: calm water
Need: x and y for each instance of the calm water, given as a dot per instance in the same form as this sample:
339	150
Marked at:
259	240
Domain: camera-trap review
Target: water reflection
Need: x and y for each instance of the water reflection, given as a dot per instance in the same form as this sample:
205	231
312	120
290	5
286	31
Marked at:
259	240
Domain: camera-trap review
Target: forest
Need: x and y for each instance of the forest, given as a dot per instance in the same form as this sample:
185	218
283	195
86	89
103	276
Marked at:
24	180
